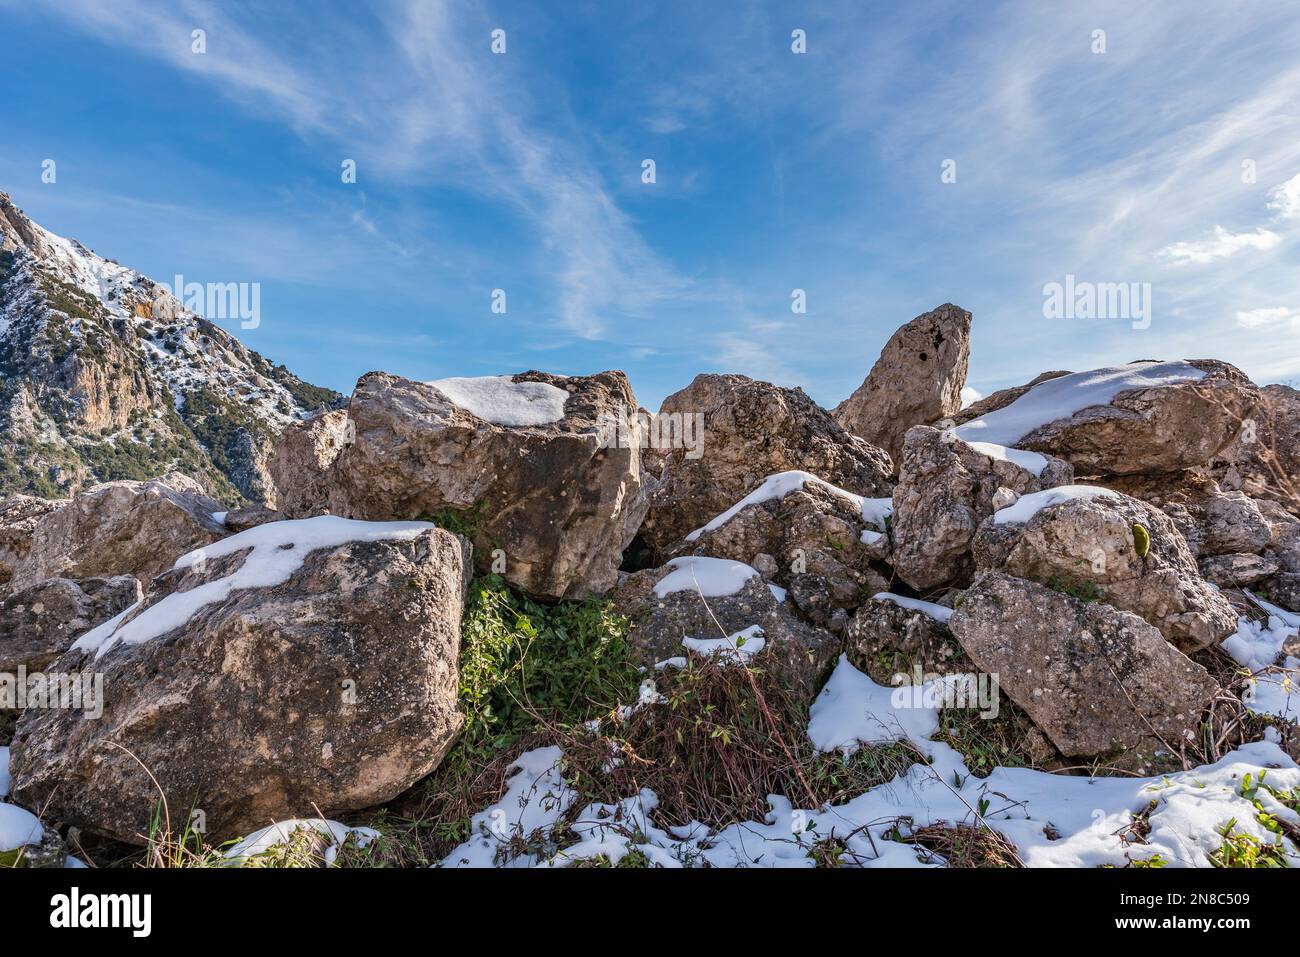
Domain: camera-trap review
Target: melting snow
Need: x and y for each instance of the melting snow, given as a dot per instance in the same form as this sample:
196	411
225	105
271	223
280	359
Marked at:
1065	395
776	486
937	612
499	400
262	841
741	646
1029	461
1027	506
1258	646
18	827
277	552
712	577
876	511
536	796
852	710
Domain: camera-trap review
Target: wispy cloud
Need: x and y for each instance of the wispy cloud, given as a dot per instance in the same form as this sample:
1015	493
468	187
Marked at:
1270	316
427	103
1220	245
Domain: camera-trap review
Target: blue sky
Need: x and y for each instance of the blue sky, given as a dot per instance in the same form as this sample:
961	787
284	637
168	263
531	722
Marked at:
775	171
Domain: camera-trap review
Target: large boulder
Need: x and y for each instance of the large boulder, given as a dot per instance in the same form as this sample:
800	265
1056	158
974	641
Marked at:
917	380
813	538
946	487
887	638
1265	460
39	623
121	528
1098	681
750	430
1229	522
300	463
1137	418
695	602
526	465
298	668
19	516
1100	544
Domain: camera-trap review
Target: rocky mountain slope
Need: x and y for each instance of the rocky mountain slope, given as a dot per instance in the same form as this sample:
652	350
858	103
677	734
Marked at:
105	375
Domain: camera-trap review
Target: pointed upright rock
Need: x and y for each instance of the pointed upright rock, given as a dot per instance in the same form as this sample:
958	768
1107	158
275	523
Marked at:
916	381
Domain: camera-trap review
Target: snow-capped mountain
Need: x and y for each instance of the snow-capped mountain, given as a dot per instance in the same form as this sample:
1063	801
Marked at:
104	374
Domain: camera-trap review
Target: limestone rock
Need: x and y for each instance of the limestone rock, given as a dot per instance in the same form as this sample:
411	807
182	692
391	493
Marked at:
39	623
1096	680
319	677
751	430
556	501
1089	546
121	528
301	461
917	380
946	488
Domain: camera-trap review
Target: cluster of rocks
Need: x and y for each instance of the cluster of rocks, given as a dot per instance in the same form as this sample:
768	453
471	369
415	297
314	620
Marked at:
260	664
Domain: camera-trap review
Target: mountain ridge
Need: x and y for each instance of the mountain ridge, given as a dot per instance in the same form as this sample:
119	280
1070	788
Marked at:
105	374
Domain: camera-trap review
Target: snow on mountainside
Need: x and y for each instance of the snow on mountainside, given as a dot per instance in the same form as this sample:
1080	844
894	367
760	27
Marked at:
104	374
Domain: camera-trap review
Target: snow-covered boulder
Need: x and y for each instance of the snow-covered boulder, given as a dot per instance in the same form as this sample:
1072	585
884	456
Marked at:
815	539
39	623
698	604
917	380
946	487
1098	681
1136	418
1104	545
528	463
748	431
121	528
297	668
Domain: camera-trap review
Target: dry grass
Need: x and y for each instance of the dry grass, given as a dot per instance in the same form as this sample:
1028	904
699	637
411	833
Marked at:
965	845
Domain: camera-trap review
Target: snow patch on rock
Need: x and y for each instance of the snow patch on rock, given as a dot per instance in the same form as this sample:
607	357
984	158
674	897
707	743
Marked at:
502	401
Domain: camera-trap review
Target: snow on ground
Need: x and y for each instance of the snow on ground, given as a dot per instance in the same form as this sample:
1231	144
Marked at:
1258	646
259	842
6	781
712	577
499	400
937	612
1027	506
741	646
868	537
1029	461
876	511
852	710
278	550
1053	820
536	796
1065	395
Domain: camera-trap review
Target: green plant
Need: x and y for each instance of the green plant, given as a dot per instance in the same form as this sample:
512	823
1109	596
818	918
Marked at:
1240	849
1085	591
